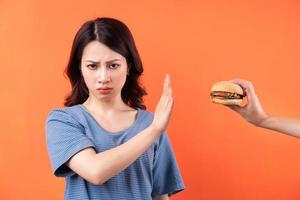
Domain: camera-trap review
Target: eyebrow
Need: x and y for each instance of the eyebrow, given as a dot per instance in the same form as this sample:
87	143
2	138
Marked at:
92	61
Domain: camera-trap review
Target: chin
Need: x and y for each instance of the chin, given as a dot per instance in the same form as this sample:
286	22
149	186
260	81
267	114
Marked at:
105	97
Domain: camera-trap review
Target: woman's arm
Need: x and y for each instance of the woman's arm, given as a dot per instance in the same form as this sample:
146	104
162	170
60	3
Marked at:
281	124
97	168
254	113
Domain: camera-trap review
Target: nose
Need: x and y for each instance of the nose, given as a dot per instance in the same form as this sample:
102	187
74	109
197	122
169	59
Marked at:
103	75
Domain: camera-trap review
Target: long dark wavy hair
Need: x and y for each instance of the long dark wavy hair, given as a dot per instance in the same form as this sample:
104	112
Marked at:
116	35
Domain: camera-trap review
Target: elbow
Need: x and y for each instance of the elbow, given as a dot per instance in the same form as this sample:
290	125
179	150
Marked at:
95	181
96	178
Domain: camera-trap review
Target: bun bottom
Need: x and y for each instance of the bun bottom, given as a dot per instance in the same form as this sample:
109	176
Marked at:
236	102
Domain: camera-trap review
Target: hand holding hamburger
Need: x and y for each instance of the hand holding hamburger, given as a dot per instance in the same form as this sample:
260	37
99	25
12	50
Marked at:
228	93
231	93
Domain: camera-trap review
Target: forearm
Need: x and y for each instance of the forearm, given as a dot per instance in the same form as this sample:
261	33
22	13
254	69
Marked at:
284	125
115	160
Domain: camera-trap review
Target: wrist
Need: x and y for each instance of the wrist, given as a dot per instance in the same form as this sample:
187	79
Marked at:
154	129
263	121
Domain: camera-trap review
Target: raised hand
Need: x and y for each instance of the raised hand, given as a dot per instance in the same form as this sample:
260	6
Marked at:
164	107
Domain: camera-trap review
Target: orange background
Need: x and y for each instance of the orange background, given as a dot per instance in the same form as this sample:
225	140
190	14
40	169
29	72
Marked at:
198	43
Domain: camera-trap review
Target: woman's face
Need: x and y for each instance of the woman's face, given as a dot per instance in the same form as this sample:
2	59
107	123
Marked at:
104	71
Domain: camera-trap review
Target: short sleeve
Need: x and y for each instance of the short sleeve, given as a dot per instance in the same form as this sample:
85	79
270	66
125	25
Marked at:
65	137
166	174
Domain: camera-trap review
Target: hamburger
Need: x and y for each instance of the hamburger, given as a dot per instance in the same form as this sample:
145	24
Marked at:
227	93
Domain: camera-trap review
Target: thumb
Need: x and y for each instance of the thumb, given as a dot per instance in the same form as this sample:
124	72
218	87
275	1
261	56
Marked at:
235	108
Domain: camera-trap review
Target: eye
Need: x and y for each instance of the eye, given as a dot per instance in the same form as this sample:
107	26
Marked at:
114	66
91	66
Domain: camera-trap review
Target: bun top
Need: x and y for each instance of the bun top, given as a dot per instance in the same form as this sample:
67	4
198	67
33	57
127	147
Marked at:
226	86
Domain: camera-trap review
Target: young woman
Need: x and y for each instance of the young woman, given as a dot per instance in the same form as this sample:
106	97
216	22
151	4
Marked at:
254	113
104	142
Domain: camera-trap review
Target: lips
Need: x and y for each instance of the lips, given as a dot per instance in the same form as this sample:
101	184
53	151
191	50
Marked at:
104	90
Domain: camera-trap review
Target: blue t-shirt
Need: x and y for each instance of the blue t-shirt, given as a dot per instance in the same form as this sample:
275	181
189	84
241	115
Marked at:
154	173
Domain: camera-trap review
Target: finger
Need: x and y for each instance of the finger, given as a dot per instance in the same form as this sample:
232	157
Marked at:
249	89
246	85
165	88
167	85
243	83
170	90
252	97
235	108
